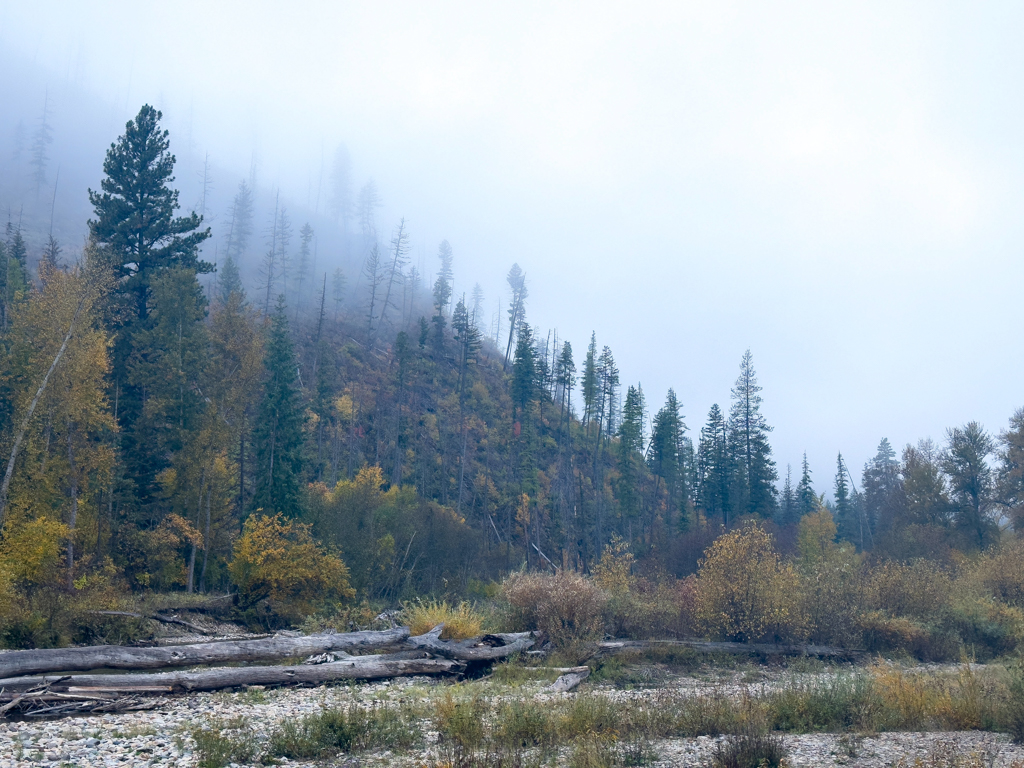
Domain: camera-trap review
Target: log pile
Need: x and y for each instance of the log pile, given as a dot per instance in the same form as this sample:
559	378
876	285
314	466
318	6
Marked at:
27	690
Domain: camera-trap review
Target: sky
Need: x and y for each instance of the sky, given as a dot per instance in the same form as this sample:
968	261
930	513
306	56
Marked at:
836	186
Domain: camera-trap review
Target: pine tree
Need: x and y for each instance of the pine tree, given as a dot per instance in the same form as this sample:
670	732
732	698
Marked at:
753	485
589	383
442	293
516	280
369	202
135	227
337	290
14	275
631	445
240	225
277	437
302	268
788	504
666	459
713	468
230	281
806	498
882	490
168	358
340	205
41	141
844	511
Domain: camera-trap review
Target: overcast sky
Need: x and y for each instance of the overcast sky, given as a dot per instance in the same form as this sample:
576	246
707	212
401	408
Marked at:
836	186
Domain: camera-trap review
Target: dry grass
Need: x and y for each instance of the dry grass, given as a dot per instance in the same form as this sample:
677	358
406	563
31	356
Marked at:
460	622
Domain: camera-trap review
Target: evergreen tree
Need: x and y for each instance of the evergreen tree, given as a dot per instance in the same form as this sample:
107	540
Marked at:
844	510
41	141
713	468
168	357
399	258
240	225
753	484
666	458
442	292
14	276
806	498
523	387
970	480
788	505
589	382
277	437
135	227
516	280
302	268
882	490
1010	476
230	281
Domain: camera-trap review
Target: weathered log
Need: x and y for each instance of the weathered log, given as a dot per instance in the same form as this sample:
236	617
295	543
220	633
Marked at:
570	680
354	668
19	663
706	646
486	648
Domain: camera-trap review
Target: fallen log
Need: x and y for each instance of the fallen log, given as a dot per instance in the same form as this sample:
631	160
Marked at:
706	646
485	648
20	663
573	677
353	668
156	617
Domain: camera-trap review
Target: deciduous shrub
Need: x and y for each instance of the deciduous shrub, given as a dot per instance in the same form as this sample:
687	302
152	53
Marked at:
282	574
745	592
567	607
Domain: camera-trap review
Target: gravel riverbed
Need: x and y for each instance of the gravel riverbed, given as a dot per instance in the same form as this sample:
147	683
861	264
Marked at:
160	737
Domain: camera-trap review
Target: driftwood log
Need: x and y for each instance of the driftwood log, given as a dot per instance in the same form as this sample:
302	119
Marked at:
20	663
352	668
486	648
706	646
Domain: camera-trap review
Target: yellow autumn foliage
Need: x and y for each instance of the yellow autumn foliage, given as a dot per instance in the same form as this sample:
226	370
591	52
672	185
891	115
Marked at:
278	566
745	593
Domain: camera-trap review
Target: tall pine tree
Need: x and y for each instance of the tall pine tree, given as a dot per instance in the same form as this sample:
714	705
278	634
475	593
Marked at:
277	437
753	483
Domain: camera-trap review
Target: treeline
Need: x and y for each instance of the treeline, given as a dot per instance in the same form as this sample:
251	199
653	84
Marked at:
146	418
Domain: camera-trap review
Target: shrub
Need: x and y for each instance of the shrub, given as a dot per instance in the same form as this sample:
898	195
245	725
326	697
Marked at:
1001	572
750	751
460	622
744	591
282	574
566	606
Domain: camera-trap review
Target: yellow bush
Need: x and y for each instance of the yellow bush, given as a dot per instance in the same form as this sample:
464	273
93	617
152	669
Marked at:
460	622
1001	572
276	561
744	591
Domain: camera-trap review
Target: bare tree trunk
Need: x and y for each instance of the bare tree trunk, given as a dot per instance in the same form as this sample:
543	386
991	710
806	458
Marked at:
31	409
73	521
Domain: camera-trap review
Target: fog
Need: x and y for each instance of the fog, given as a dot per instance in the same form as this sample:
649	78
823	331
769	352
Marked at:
838	189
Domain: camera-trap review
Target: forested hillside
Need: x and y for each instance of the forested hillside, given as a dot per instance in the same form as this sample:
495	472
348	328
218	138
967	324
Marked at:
168	423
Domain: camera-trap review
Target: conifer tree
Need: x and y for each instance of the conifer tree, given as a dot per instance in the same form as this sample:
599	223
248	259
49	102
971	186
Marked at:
806	498
277	436
753	484
970	478
1010	475
666	458
302	268
844	511
41	141
240	224
337	290
788	505
516	280
399	258
14	264
230	281
135	228
713	468
589	382
442	293
168	358
882	490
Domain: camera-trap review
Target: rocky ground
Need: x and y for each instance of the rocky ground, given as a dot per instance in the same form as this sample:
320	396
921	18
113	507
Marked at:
161	737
